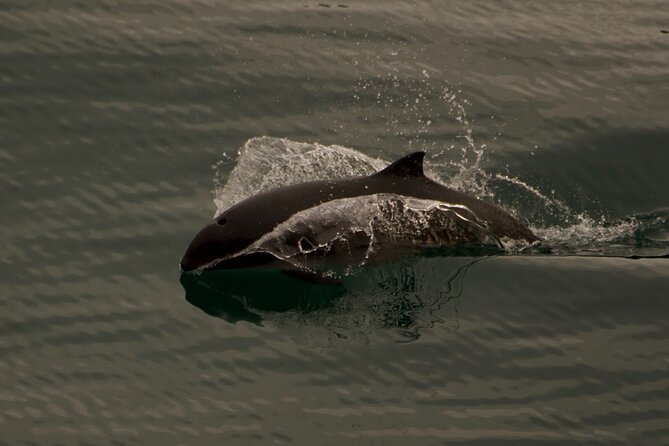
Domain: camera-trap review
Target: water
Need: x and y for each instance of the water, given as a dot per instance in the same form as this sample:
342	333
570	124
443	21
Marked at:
121	124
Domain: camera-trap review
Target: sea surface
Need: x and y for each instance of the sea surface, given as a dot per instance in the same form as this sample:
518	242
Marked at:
126	125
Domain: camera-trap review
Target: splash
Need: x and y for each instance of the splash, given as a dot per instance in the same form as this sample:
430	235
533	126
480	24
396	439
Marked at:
266	163
588	231
426	105
413	108
636	235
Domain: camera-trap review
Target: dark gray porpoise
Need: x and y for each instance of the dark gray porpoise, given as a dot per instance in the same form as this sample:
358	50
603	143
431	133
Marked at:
247	221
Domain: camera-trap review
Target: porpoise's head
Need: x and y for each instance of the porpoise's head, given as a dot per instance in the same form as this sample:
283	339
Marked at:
219	239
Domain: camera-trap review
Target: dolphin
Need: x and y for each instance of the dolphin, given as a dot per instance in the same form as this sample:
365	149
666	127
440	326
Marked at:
225	242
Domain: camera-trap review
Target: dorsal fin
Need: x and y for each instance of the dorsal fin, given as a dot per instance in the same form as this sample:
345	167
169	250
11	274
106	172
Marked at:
410	165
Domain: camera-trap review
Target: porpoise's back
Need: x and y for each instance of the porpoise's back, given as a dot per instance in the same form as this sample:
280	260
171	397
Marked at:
247	221
261	213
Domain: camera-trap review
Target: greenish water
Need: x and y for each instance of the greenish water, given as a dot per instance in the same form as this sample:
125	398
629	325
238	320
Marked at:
120	125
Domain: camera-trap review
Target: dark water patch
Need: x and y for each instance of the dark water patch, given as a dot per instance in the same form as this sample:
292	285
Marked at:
595	164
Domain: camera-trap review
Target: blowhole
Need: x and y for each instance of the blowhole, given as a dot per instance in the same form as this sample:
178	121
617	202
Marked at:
221	221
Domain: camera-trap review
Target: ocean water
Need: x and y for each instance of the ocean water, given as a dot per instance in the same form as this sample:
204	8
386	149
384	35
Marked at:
126	125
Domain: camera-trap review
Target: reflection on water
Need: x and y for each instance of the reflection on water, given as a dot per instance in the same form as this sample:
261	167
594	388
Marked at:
404	296
242	295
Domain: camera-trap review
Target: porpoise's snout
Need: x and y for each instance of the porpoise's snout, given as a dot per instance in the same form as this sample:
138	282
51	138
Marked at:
202	250
214	242
187	264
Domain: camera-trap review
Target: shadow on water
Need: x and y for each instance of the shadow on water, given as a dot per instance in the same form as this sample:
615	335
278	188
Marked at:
404	295
239	295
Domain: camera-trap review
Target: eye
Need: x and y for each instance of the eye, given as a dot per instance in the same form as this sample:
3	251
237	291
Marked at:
221	221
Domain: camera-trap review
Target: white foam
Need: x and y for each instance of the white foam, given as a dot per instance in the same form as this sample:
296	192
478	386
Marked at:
266	163
587	231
